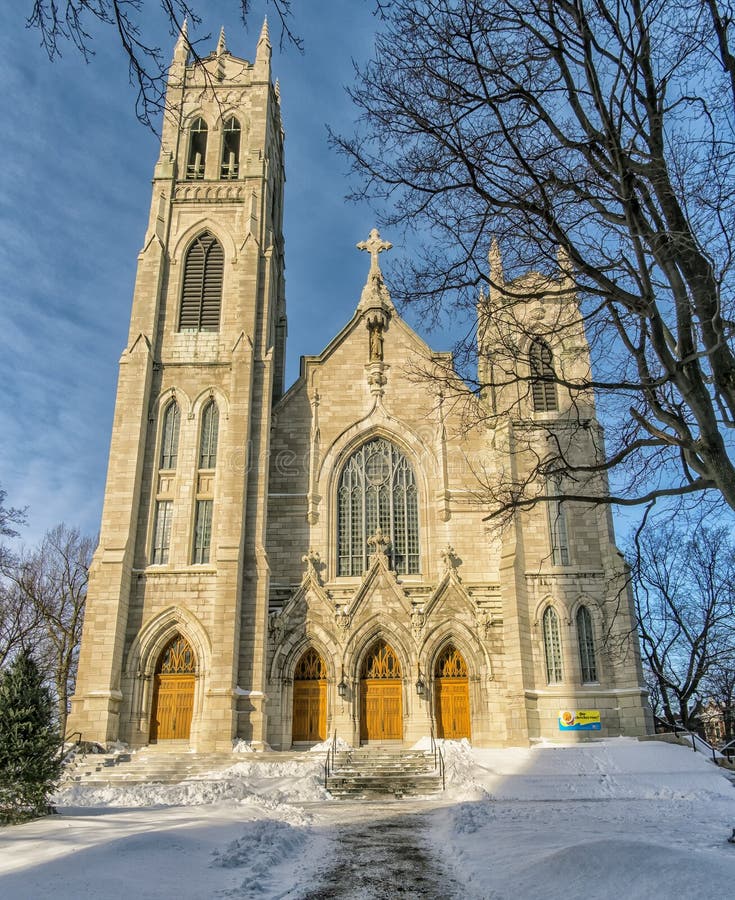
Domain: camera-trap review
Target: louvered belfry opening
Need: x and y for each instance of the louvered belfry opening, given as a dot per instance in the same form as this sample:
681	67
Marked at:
542	377
201	298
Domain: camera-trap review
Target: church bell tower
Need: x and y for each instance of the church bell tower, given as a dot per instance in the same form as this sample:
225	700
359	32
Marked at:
173	644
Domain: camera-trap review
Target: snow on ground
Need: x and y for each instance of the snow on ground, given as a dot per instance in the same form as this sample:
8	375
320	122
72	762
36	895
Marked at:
609	818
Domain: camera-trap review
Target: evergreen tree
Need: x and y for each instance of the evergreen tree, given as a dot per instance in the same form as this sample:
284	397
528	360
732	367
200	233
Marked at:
30	761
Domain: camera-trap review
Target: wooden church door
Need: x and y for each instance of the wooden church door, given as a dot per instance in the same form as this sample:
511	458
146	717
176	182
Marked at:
310	699
381	699
173	692
452	692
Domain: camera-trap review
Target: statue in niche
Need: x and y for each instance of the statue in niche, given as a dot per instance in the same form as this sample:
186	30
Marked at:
376	344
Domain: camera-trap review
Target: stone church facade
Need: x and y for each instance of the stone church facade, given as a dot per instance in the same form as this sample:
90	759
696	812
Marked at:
280	567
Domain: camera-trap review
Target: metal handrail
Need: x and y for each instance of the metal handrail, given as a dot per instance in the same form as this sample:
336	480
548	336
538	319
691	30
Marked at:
706	747
438	759
329	762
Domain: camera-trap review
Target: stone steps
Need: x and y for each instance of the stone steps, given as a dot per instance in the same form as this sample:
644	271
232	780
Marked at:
370	774
144	767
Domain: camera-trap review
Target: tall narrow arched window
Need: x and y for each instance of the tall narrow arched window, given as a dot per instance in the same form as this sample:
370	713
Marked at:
558	533
170	436
552	646
197	150
586	640
377	489
543	389
230	149
208	440
201	295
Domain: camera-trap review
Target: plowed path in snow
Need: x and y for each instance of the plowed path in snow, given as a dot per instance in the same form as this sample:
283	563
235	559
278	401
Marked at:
384	857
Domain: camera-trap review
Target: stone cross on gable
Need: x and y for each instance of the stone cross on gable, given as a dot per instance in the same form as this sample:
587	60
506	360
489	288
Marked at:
374	245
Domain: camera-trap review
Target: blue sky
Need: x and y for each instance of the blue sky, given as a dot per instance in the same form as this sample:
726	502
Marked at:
75	191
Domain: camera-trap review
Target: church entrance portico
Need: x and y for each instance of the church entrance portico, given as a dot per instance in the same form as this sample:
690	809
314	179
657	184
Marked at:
381	695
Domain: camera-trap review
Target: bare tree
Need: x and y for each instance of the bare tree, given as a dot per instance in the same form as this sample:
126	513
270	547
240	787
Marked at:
50	584
684	588
605	130
73	22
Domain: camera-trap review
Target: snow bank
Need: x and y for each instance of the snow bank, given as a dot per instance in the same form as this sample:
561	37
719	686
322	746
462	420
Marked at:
619	768
271	784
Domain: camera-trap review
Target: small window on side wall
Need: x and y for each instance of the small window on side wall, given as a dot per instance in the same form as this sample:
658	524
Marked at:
552	647
197	150
230	149
170	436
586	639
208	442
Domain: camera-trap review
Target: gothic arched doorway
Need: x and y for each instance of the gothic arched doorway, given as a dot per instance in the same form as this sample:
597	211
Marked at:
381	704
173	692
452	695
310	698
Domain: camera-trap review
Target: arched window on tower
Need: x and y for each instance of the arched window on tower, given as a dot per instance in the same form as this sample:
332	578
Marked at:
201	295
543	389
208	441
586	639
377	489
170	436
552	646
205	484
230	149
197	150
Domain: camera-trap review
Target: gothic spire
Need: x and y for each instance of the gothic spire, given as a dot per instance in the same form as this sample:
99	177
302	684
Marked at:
221	45
264	36
263	52
496	264
181	48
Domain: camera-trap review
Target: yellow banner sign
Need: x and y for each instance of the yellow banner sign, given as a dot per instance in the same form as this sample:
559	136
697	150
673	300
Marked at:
579	720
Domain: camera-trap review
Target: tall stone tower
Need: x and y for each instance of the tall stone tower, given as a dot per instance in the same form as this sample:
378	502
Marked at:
178	591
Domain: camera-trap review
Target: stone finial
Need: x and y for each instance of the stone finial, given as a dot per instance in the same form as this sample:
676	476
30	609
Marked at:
449	559
375	301
380	543
277	89
313	563
374	245
221	44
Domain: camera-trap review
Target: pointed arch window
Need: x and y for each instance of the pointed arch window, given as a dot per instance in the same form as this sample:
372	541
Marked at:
552	646
543	389
208	440
201	296
170	436
377	489
197	150
230	149
558	532
586	640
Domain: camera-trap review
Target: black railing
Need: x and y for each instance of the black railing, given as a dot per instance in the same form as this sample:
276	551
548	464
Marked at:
691	736
438	759
329	761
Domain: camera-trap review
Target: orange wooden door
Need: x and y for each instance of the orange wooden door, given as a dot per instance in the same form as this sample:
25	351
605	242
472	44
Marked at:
381	709
452	708
309	711
173	707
